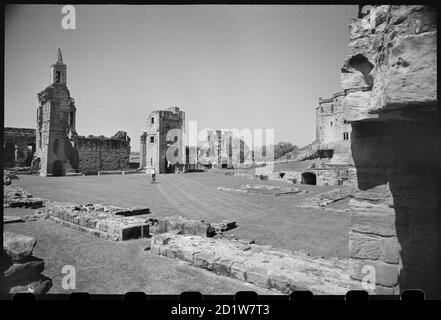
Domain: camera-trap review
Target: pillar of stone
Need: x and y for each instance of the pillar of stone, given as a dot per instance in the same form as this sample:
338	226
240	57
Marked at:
142	151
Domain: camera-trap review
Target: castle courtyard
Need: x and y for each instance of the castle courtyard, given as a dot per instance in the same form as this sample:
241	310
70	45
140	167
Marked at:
268	220
121	267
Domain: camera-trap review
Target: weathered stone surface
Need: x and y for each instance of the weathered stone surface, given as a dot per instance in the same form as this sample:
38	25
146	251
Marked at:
186	254
20	271
395	147
280	282
374	248
385	274
184	225
355	104
98	220
261	265
17	197
238	271
38	285
352	78
258	276
359	28
411	77
132	212
372	218
18	246
323	199
376	289
204	260
222	266
400	43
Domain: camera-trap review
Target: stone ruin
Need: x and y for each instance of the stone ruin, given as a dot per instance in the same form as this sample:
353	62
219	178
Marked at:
55	148
155	142
19	147
395	225
261	265
21	270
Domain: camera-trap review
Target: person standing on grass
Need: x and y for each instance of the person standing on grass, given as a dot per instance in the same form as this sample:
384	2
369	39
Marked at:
153	171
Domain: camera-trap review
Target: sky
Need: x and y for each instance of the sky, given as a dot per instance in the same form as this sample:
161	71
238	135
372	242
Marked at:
226	66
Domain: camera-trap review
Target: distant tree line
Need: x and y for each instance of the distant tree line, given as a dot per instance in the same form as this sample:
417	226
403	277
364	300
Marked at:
281	149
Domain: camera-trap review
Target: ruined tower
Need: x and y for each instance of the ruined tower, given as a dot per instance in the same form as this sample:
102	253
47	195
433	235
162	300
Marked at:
55	125
160	139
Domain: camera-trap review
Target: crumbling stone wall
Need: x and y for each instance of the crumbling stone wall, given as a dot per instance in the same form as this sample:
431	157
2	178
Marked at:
101	153
18	146
59	148
396	146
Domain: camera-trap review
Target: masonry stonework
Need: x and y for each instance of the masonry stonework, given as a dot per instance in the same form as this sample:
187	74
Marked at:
165	134
59	149
103	154
18	147
395	223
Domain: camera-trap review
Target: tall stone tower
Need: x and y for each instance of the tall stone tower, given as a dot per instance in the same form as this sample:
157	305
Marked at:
160	138
55	133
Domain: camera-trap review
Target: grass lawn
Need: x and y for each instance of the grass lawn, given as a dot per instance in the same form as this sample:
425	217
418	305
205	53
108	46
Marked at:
277	221
104	266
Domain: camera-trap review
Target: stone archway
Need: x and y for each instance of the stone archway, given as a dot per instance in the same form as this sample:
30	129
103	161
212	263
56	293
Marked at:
309	178
58	168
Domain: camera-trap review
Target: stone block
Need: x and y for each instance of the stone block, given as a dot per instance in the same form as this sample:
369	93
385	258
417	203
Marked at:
410	75
377	289
258	276
132	212
280	282
171	252
37	285
385	274
187	254
204	260
374	248
238	271
25	270
134	232
17	246
222	266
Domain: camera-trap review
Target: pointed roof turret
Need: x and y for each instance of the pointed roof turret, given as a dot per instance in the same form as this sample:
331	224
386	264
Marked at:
60	57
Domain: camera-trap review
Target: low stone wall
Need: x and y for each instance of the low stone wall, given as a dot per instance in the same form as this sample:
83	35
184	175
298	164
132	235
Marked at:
323	199
267	190
331	176
189	226
280	270
21	270
16	197
105	222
